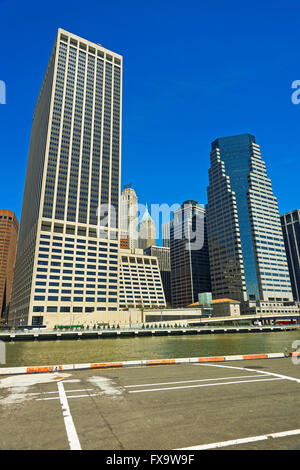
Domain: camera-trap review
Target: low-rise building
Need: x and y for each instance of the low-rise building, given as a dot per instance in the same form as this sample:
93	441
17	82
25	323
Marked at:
140	283
226	307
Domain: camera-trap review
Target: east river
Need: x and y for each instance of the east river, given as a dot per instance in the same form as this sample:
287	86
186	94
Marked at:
122	349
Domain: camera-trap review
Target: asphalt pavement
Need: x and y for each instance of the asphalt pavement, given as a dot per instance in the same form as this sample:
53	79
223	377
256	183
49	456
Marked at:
238	405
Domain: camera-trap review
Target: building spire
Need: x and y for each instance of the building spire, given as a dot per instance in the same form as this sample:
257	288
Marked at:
146	215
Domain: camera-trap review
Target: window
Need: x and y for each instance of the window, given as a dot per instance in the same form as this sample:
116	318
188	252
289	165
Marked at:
51	309
38	308
37	320
89	309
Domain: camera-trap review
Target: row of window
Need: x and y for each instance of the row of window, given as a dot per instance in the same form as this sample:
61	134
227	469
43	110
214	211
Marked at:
65	309
53	298
84	47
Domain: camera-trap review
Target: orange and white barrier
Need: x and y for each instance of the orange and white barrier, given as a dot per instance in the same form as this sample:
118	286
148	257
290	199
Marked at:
295	354
152	362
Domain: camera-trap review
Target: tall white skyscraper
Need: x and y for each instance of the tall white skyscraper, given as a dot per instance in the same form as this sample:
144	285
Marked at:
67	257
129	215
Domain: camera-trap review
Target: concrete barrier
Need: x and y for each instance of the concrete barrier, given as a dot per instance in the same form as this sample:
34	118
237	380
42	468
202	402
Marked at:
211	359
152	362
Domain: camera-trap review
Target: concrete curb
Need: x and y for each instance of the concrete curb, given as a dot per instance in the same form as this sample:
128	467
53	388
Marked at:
154	362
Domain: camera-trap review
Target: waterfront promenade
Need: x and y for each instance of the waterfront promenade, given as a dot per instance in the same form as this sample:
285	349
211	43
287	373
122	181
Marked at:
78	333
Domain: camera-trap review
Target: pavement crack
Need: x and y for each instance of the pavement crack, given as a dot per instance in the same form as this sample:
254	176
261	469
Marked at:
106	422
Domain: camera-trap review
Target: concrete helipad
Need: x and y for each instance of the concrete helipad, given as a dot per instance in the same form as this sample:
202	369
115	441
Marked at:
238	405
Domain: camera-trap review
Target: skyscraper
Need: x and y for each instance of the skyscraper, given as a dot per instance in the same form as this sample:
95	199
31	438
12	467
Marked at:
9	227
147	231
291	233
165	233
162	254
129	215
68	243
246	248
190	274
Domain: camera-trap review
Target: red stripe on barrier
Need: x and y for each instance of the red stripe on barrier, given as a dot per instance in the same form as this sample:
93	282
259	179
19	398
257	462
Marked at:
255	356
106	365
211	359
160	362
32	370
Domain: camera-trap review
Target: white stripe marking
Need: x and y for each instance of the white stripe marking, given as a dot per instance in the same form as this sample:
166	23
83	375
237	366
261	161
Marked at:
245	440
203	385
188	381
69	424
286	377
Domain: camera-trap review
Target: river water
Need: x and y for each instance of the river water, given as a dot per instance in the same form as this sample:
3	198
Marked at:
163	347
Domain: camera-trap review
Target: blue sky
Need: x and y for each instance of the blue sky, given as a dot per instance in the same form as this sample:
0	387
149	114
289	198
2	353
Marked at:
193	71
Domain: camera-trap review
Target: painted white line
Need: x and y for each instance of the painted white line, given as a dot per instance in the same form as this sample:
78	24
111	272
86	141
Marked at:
71	396
188	381
69	424
203	385
245	440
285	377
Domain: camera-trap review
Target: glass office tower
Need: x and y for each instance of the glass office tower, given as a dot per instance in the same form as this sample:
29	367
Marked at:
291	232
67	257
190	274
246	248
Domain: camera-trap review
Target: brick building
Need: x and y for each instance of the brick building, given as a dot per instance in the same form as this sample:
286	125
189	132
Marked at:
9	227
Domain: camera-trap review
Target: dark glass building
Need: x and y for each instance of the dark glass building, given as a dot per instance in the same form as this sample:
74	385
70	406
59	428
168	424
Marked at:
246	248
291	233
163	256
190	274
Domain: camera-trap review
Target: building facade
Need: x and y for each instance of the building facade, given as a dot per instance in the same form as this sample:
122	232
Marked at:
165	233
246	249
129	215
163	256
189	260
140	281
290	223
67	256
147	231
9	227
